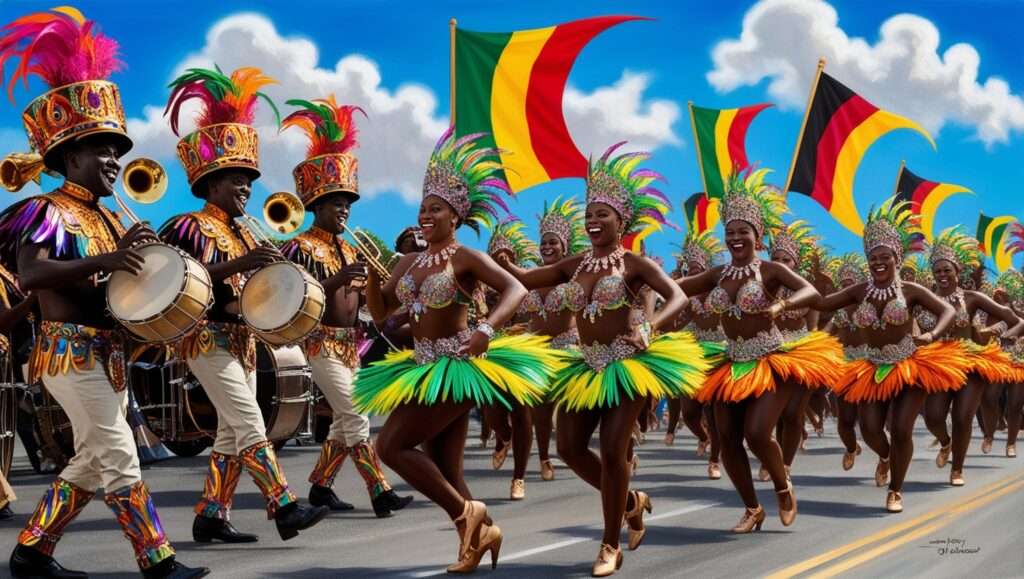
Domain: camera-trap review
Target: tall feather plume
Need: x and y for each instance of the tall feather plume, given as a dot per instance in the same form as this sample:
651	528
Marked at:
329	126
649	207
478	168
223	99
60	47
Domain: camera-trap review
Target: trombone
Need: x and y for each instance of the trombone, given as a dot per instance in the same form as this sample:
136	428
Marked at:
371	254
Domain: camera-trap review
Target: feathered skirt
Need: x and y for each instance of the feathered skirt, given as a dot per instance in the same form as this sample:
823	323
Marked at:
937	367
989	361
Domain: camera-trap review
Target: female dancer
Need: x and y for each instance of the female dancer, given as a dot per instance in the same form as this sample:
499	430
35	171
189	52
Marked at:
508	237
1010	292
699	252
430	390
761	372
617	368
893	367
952	252
549	310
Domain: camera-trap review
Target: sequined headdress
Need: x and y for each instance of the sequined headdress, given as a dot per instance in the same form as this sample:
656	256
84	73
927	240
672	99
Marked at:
330	167
893	225
67	53
1012	282
564	220
700	248
956	247
508	235
848	267
796	241
467	176
224	137
748	198
620	183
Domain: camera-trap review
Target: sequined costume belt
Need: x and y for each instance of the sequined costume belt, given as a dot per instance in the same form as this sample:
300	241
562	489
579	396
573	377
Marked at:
237	339
794	335
427	351
338	343
598	356
745	350
716	334
63	347
567	340
887	354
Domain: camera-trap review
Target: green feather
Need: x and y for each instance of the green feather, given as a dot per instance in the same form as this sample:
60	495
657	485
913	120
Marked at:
882	372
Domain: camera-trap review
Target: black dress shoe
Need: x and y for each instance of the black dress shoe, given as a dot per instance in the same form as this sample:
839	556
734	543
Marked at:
389	501
324	497
171	569
27	562
6	513
206	530
295	517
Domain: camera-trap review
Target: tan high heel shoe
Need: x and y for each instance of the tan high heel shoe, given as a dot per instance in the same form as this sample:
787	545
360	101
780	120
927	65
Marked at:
609	560
763	475
787	516
751	521
1011	451
894	502
634	519
474	514
670	438
956	478
501	449
714	473
882	472
942	459
518	490
547	471
849	458
489	540
702	448
986	445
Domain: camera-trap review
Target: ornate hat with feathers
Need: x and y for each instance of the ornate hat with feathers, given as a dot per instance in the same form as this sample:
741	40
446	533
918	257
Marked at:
469	177
956	247
564	219
330	166
893	225
620	183
224	137
748	198
70	55
509	236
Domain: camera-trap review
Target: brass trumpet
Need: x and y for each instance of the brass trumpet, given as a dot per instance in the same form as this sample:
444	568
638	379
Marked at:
370	253
283	212
144	180
17	169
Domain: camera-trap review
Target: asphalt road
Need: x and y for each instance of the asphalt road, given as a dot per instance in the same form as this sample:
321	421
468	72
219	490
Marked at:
842	527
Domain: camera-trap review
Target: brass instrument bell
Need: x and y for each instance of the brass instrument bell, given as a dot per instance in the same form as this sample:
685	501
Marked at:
17	169
283	212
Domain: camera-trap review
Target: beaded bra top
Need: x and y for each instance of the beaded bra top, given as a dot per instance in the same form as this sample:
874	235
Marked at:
564	297
894	313
752	297
791	314
927	320
438	290
609	293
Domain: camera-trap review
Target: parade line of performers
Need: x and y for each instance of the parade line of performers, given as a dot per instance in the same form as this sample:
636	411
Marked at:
575	331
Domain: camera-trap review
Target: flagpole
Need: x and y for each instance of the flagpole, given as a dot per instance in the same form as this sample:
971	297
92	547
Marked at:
696	145
451	67
803	125
899	175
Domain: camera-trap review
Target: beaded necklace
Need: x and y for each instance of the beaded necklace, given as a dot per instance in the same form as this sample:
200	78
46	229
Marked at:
427	259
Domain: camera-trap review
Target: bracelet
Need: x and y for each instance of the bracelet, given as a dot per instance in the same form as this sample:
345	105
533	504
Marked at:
485	329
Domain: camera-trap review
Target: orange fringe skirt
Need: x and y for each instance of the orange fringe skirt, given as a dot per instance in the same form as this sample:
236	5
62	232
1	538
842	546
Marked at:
814	361
936	367
992	363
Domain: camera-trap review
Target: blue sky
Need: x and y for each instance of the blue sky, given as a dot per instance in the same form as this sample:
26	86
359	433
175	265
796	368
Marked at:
406	43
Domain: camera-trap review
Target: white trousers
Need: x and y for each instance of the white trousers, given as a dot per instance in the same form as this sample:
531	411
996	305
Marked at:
105	453
336	381
232	391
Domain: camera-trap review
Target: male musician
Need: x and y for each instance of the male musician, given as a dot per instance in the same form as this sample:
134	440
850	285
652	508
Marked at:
410	240
61	245
327	183
221	161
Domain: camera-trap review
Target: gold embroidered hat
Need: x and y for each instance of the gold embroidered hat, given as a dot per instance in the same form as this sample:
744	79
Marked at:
224	137
330	167
66	51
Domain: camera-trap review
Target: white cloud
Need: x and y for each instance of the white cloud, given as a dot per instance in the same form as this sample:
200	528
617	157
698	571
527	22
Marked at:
403	124
903	71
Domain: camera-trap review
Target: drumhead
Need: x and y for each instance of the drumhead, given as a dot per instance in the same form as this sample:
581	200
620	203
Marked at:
149	293
273	296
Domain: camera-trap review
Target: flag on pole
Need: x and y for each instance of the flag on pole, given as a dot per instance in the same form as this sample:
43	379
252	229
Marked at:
701	212
924	196
838	129
510	84
721	135
991	233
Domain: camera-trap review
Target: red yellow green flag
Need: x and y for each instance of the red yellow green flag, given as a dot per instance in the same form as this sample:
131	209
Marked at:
721	135
510	84
701	212
924	197
991	233
839	128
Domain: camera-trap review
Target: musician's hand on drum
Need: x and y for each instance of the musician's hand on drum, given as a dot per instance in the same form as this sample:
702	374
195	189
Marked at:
121	260
138	234
262	256
477	344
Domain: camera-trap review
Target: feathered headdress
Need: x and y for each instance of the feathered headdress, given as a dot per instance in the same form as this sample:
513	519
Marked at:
700	248
508	235
68	53
620	183
468	177
893	225
919	268
748	198
956	247
848	267
329	166
1012	282
796	241
223	137
564	220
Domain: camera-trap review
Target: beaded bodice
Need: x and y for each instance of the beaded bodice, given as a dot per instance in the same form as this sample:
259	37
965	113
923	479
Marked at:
438	290
894	311
752	297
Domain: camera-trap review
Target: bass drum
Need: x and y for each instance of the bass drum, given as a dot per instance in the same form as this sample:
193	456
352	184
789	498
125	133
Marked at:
283	385
172	402
8	417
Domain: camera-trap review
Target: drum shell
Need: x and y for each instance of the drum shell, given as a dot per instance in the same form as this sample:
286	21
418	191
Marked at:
301	323
283	389
181	315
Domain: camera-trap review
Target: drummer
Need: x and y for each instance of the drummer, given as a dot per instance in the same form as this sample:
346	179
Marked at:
327	183
61	245
221	161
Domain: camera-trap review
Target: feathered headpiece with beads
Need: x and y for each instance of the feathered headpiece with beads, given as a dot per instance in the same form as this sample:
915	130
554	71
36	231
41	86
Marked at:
620	183
956	247
329	166
1012	282
748	198
69	54
224	137
795	240
893	225
509	235
920	269
467	176
700	248
564	219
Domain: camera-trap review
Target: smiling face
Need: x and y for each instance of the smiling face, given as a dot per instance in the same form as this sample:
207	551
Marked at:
331	213
882	264
741	239
946	275
604	226
92	163
785	259
437	220
229	190
551	250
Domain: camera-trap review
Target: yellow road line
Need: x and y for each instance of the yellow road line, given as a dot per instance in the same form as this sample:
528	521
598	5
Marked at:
819	560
